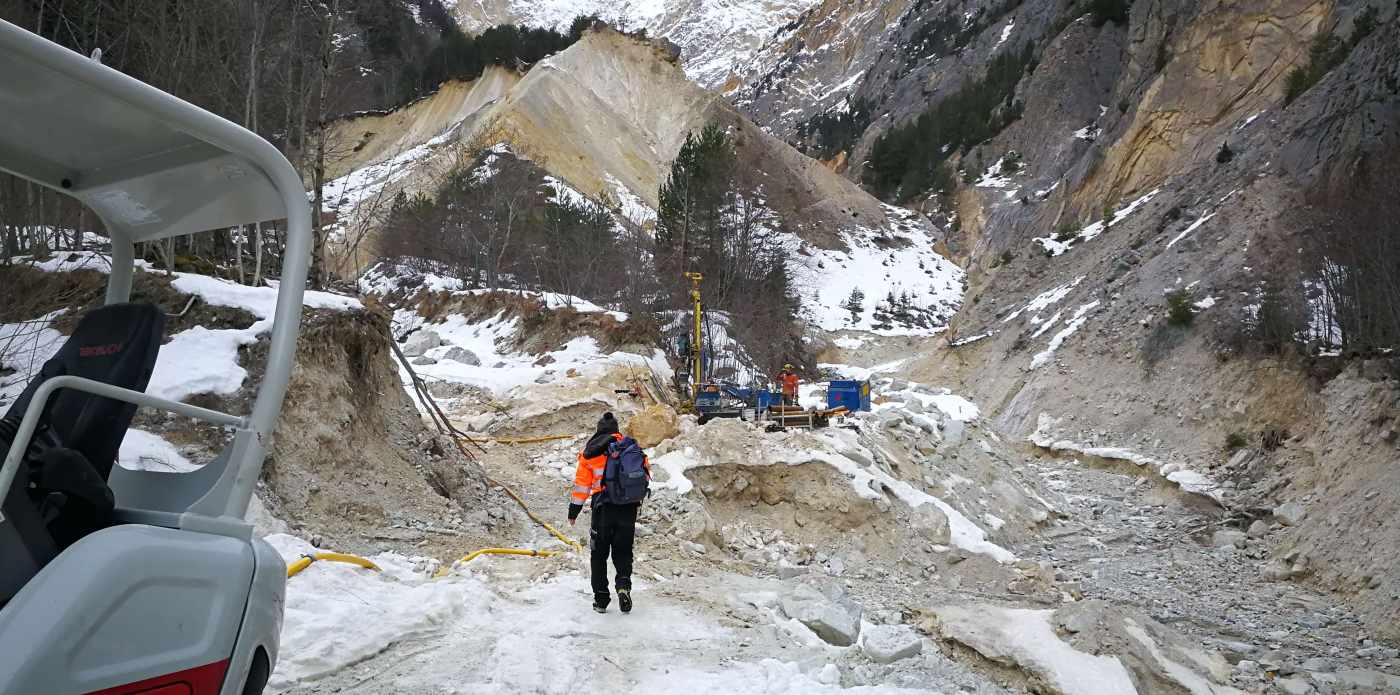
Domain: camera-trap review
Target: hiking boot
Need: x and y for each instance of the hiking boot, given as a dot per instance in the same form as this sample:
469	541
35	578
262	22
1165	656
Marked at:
624	600
600	604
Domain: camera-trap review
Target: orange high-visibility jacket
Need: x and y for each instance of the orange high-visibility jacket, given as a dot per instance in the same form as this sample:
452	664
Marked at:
789	382
588	477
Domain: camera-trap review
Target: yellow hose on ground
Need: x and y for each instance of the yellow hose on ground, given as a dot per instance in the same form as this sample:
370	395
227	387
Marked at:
305	561
533	517
533	440
569	541
497	551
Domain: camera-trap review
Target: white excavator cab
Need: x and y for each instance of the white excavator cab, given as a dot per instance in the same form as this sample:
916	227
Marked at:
167	591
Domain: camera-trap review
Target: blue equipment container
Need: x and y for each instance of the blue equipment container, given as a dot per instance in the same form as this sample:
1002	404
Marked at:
854	395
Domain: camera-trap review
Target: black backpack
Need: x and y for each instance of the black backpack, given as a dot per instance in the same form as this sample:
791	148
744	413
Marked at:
625	479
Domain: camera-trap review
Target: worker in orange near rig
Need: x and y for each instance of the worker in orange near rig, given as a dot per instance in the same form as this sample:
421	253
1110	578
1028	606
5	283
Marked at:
787	379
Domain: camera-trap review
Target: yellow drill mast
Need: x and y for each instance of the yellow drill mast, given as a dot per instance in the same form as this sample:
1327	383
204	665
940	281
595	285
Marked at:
695	279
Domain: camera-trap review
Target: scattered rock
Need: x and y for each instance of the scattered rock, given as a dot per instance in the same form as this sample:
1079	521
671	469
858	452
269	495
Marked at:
835	621
886	644
1293	686
1237	650
423	360
1228	538
1317	663
421	342
1377	652
1289	514
463	355
953	432
1258	529
1276	571
1359	678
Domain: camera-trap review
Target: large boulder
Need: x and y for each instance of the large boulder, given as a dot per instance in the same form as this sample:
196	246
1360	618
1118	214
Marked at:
1228	538
463	355
886	644
654	424
1290	514
421	342
835	620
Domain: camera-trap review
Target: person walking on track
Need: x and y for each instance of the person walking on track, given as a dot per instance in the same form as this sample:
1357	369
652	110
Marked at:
614	474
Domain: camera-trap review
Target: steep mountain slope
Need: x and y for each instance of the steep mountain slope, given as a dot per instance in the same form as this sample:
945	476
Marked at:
1165	147
580	117
1158	162
714	38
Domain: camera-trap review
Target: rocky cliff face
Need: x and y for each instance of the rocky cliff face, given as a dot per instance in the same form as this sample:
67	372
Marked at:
714	38
1172	122
1173	125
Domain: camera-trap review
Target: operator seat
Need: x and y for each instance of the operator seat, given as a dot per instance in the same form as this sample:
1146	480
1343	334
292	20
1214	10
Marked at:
60	491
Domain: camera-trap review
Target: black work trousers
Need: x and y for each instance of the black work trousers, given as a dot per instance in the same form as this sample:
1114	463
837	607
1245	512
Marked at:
614	528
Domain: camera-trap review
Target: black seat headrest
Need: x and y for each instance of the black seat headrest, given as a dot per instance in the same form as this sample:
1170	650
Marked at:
115	344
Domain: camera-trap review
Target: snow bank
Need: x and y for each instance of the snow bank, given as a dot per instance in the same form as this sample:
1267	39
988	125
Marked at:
1045	299
24	347
629	205
1027	639
68	261
1184	478
1056	247
143	451
950	404
195	361
1080	316
387	277
850	371
204	360
345	194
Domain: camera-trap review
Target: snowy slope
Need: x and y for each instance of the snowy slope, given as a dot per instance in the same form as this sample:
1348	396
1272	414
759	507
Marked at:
716	37
894	261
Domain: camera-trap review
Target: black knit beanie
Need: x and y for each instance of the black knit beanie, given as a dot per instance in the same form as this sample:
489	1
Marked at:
607	423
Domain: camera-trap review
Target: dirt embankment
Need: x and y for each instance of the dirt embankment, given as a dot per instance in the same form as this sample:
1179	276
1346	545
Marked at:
353	462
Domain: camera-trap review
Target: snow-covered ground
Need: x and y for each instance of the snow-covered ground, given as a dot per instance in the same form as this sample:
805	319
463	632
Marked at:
501	369
492	629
